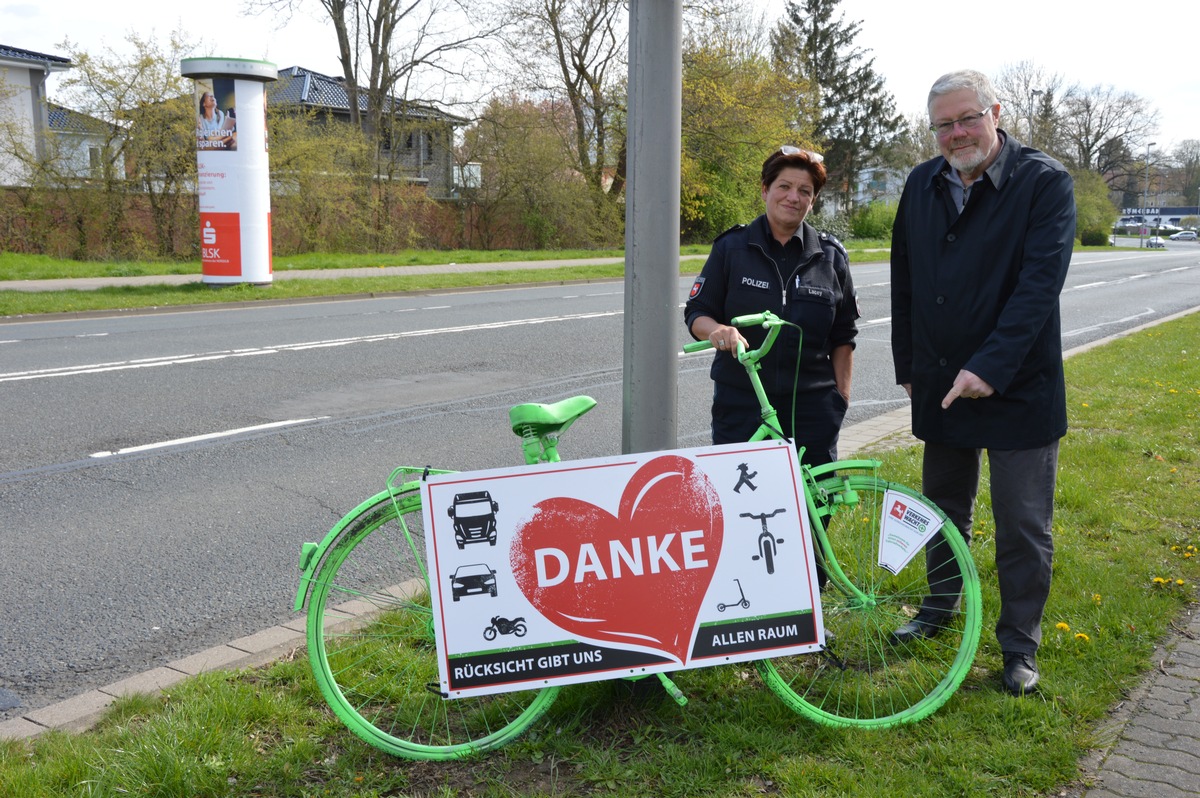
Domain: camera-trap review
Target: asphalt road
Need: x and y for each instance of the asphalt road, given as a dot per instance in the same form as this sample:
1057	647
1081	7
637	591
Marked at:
159	472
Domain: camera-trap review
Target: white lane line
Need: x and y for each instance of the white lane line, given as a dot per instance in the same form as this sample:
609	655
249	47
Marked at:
207	437
1082	330
198	357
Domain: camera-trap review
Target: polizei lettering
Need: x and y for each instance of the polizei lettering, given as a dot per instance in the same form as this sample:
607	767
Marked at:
763	284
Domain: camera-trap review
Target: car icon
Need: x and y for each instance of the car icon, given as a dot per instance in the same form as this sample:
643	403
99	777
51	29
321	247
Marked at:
474	517
475	579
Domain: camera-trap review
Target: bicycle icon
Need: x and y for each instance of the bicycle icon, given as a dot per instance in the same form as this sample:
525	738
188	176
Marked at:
768	544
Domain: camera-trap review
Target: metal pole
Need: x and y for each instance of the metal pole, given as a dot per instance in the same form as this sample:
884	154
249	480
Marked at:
653	320
1146	197
1033	93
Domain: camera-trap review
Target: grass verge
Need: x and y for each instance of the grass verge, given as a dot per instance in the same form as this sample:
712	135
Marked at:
1127	534
40	267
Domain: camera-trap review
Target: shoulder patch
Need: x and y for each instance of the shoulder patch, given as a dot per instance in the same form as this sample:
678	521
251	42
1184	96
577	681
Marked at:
830	240
733	229
696	288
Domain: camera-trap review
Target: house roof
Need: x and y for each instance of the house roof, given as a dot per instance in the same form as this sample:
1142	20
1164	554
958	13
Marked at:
64	120
55	63
301	86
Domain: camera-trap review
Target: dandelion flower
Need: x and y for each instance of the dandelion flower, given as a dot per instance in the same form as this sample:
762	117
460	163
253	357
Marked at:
1158	580
1179	581
1062	627
1096	598
1083	638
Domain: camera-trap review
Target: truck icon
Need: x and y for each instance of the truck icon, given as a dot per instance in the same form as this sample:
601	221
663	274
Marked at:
474	517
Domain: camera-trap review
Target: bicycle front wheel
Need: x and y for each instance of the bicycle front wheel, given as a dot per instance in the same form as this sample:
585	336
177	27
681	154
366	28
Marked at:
864	677
372	649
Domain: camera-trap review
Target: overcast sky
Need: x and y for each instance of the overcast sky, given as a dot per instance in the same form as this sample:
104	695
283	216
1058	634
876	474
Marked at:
1086	41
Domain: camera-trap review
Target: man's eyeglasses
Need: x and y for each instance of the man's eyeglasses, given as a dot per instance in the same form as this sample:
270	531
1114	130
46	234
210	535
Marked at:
788	149
968	122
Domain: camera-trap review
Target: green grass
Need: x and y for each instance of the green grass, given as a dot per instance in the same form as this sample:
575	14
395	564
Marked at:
1127	533
40	267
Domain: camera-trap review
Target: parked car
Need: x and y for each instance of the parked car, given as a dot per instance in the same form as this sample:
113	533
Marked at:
1154	242
472	579
1184	235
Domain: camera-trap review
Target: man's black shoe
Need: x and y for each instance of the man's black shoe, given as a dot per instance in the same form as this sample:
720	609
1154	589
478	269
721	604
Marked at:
927	624
1020	673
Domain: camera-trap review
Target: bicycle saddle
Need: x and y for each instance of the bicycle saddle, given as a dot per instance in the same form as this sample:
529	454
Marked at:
549	418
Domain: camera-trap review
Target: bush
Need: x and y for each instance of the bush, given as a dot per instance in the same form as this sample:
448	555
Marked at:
873	220
836	224
1094	238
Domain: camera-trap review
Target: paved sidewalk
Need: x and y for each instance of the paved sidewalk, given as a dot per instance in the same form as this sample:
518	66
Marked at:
93	283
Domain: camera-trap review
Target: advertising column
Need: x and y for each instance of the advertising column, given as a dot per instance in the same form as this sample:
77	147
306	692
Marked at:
232	168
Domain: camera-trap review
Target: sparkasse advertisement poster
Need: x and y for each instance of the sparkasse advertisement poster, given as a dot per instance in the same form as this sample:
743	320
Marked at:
620	566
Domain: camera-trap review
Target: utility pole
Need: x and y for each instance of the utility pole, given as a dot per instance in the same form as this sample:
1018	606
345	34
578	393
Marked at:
653	322
1146	196
1032	94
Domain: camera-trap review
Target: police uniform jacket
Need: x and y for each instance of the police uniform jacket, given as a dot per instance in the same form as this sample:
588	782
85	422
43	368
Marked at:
740	277
978	290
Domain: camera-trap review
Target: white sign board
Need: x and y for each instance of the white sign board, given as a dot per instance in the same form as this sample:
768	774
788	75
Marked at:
620	566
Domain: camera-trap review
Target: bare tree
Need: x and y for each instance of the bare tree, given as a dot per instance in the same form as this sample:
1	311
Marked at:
1094	119
1185	176
576	51
150	141
1031	102
401	51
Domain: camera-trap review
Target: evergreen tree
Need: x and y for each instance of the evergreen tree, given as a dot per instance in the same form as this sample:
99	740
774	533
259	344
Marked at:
855	120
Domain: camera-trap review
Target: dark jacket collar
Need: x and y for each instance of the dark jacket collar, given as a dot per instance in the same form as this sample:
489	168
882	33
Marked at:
759	234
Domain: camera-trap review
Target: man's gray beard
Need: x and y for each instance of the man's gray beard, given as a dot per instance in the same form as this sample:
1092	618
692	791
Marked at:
968	164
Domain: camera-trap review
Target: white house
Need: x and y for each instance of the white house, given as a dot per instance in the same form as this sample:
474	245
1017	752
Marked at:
24	113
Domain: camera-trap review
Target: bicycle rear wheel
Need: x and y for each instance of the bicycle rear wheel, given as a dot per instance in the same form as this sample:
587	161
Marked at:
372	649
863	678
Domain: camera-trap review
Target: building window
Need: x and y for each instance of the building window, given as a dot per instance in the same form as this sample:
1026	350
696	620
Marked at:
95	162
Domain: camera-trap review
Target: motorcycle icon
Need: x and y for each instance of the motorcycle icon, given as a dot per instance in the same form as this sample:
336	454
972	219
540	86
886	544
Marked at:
505	627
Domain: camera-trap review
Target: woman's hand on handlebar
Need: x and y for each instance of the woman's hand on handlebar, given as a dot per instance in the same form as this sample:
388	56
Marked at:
726	338
723	337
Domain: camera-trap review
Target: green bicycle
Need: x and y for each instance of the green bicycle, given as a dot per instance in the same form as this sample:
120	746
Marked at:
370	621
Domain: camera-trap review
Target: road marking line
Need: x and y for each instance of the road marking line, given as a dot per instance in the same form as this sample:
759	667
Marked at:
198	357
207	437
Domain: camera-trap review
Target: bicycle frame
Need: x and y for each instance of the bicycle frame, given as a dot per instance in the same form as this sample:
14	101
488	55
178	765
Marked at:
770	429
371	567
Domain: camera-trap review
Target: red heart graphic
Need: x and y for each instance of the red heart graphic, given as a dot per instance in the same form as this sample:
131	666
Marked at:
635	579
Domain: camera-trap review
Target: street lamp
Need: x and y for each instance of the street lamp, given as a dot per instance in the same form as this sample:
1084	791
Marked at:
1146	195
1032	93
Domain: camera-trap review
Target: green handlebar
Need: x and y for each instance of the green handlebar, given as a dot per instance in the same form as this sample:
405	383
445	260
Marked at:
753	320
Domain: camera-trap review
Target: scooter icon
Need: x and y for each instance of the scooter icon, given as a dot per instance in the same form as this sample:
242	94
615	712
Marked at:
744	602
767	542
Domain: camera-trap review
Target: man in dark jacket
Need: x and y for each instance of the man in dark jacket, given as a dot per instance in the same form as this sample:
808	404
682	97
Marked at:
980	250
